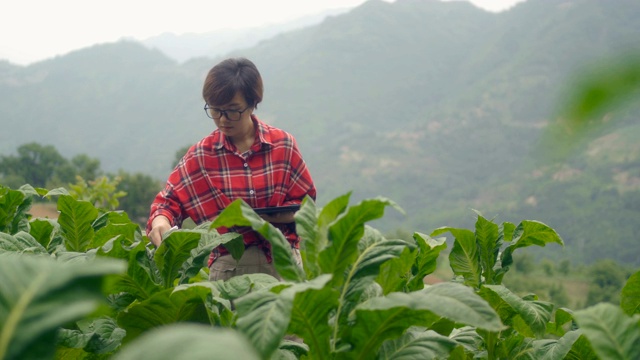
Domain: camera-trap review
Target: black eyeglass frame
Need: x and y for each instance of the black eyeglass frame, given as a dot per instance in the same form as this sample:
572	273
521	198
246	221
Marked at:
224	113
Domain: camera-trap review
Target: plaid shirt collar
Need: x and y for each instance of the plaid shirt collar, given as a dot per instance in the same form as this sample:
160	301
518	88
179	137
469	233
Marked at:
262	135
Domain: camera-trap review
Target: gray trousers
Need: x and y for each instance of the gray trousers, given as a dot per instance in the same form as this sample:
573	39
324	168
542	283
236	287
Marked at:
252	261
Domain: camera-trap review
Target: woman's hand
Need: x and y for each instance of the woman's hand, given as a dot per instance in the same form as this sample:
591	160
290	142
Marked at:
159	226
279	218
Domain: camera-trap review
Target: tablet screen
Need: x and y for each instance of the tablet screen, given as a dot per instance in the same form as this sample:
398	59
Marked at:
277	209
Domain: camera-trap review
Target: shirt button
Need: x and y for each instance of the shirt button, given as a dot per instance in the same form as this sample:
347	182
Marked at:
245	164
251	192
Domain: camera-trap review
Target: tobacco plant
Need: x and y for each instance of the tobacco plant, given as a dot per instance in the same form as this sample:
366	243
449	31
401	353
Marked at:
89	285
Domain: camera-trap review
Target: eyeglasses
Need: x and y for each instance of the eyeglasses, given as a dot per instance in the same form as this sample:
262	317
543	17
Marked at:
216	114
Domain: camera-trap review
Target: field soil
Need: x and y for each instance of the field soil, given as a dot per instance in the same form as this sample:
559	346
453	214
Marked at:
44	211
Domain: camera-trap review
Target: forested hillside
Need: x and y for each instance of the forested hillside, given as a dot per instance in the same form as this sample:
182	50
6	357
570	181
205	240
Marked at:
438	106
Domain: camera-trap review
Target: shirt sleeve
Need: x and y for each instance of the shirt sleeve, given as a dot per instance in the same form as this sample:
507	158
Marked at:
167	203
300	181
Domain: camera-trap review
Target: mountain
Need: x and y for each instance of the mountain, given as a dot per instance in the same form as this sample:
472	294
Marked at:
437	106
187	46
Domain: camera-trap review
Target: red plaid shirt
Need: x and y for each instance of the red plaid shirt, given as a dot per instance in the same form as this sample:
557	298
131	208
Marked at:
212	175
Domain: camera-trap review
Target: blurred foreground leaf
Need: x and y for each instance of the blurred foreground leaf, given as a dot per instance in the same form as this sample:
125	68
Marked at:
40	295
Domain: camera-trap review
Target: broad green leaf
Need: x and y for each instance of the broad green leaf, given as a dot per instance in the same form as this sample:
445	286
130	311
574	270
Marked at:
373	251
13	206
43	230
189	341
21	242
142	279
110	231
310	318
512	345
75	222
53	192
76	257
461	305
464	258
345	234
488	240
239	286
40	295
291	350
527	233
562	316
313	229
396	273
162	308
387	317
534	314
531	232
113	218
328	216
173	252
506	232
582	350
101	221
264	318
135	285
612	334
467	337
307	228
332	210
630	297
414	345
119	247
219	310
118	218
21	219
283	259
426	259
29	190
199	256
238	213
570	346
99	336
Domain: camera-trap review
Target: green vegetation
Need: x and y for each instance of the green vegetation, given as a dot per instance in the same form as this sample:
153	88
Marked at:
43	166
90	286
438	105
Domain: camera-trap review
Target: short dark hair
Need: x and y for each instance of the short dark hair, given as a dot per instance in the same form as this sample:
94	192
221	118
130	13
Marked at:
229	77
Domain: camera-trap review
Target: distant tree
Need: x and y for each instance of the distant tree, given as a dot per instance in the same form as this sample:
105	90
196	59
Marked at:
80	165
86	167
607	280
524	263
179	154
564	266
548	267
141	190
34	164
43	166
558	295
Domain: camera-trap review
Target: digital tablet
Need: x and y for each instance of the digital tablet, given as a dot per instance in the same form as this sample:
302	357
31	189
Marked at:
277	209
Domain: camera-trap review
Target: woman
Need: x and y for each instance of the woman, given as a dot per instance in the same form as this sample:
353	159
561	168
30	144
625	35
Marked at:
243	159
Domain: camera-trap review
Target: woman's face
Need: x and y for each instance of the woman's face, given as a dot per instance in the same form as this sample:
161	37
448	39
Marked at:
236	130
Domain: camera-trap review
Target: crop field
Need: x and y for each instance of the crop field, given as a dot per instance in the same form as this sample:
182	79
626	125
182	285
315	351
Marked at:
90	286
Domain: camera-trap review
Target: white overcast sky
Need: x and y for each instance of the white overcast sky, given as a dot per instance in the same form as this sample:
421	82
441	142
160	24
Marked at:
34	30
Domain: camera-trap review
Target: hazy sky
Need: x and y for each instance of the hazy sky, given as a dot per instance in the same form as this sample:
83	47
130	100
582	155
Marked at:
33	30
